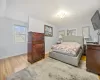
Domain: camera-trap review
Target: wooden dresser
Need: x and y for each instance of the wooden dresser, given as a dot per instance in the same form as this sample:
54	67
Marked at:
36	46
93	58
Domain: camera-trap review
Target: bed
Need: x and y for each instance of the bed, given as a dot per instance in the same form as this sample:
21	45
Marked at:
70	59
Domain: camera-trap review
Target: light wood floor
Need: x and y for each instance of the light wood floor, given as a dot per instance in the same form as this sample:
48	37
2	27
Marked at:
8	66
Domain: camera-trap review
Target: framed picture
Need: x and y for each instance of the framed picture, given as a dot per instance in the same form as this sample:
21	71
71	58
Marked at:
71	32
86	32
62	33
48	30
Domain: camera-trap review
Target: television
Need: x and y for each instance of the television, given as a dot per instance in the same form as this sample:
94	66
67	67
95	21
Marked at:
96	20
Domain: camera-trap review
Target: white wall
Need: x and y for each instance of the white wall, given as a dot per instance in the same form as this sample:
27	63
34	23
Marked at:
2	8
78	24
8	47
9	17
38	26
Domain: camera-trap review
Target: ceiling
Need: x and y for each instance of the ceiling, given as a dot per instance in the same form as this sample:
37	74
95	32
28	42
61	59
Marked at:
46	9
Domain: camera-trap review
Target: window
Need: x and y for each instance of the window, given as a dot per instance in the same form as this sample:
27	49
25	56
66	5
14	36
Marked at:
85	32
20	33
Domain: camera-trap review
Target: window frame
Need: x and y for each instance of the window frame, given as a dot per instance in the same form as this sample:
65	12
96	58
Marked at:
19	34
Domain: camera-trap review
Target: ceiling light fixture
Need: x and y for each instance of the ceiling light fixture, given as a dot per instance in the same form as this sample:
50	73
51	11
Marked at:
62	14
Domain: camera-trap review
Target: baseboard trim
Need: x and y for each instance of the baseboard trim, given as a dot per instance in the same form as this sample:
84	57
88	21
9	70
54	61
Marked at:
12	56
46	55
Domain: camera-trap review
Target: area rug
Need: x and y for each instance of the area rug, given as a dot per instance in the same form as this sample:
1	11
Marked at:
51	69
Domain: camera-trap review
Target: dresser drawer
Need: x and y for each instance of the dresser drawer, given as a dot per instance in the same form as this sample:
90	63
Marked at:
93	47
93	58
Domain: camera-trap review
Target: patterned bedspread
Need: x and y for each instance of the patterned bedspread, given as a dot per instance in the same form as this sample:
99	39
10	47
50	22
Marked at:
69	48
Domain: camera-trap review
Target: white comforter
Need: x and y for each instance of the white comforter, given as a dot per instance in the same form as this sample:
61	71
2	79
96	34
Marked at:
69	48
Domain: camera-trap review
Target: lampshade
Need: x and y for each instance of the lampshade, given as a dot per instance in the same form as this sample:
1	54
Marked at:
60	36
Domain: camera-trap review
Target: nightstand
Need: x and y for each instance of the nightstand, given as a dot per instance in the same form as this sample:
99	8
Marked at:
93	58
